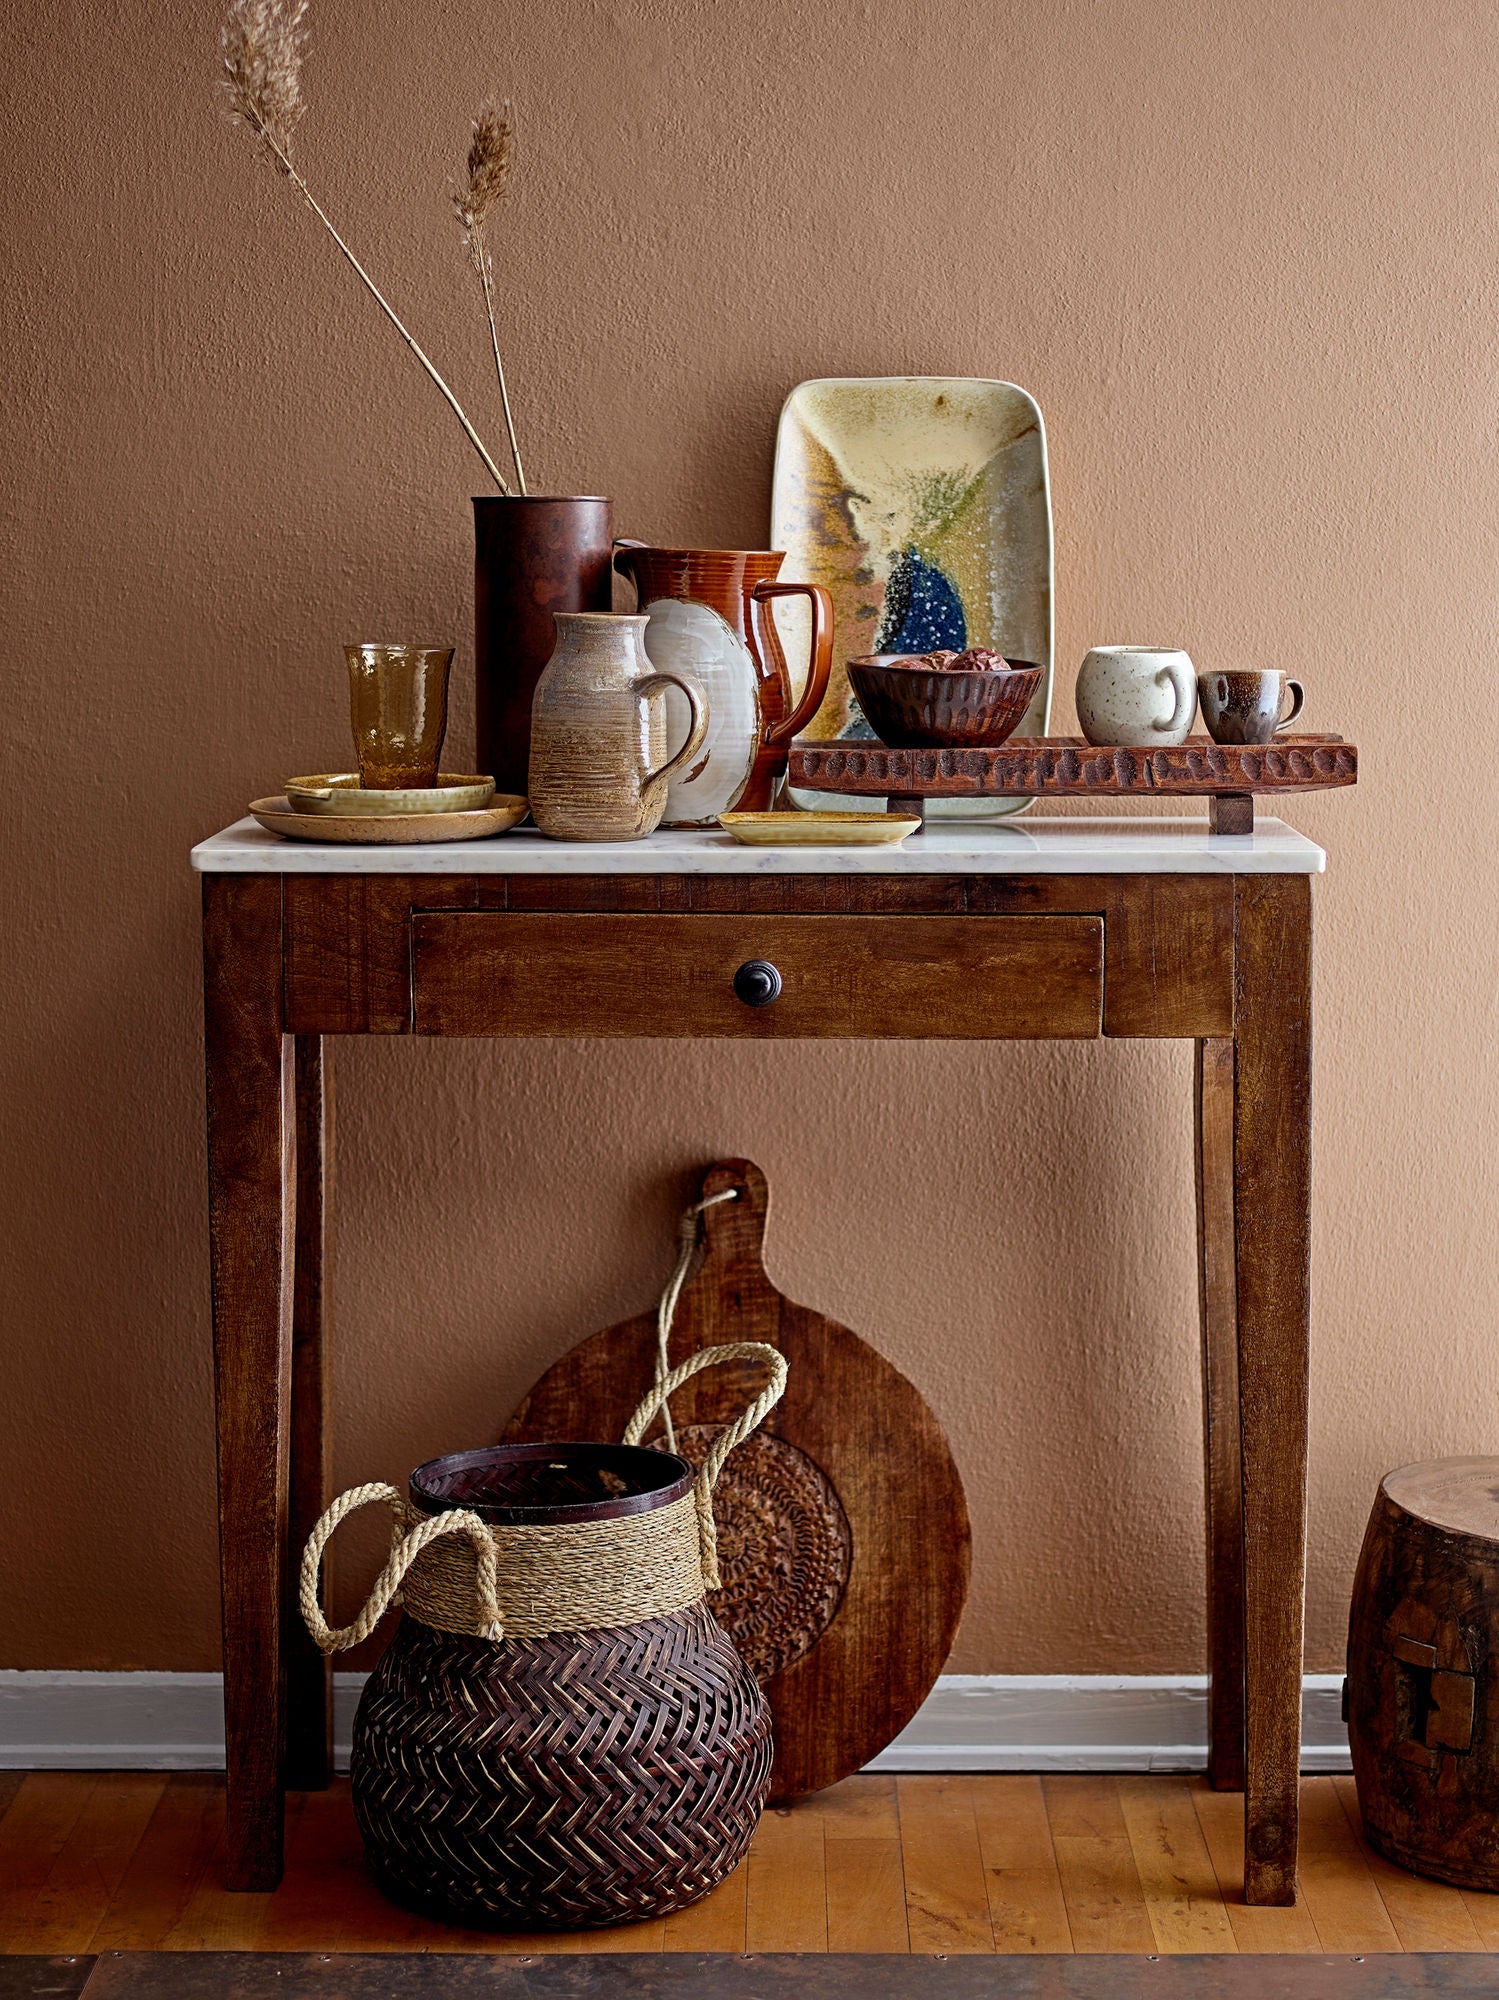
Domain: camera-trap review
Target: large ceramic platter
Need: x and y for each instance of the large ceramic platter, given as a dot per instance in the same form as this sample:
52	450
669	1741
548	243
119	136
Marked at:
921	503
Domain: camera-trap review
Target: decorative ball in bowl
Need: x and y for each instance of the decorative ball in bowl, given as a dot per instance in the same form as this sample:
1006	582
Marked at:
934	701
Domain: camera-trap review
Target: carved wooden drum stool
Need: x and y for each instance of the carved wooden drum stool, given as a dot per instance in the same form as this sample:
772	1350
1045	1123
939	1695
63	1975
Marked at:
559	1733
1420	1698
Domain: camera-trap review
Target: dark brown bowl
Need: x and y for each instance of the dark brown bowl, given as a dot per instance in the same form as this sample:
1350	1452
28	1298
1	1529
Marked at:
924	708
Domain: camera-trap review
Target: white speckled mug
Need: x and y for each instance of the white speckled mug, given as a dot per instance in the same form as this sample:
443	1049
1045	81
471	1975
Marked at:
1145	696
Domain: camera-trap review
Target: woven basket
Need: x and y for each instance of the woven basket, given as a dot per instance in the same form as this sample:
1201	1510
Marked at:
559	1735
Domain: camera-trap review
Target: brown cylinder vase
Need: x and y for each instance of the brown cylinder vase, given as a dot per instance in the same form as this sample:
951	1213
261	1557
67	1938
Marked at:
533	557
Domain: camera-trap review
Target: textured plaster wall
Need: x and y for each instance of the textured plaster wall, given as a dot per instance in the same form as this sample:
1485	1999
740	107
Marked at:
1244	255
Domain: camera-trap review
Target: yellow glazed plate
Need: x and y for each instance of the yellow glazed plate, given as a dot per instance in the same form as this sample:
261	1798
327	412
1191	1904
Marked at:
819	829
394	829
340	792
922	504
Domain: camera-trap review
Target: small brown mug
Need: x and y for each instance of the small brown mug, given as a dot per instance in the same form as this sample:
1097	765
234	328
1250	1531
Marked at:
1243	704
398	706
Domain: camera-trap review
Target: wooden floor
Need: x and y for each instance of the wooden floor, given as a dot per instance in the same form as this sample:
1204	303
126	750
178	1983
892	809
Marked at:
94	1862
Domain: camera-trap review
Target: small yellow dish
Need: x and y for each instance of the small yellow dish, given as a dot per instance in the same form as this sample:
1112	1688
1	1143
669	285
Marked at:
819	829
341	792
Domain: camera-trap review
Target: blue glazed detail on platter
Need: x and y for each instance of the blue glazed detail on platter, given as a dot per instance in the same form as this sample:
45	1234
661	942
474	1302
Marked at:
923	505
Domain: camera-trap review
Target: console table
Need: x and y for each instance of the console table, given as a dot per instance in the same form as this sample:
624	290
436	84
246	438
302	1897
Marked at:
1059	928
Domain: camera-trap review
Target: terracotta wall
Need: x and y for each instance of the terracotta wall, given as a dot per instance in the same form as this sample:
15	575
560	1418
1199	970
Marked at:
1244	254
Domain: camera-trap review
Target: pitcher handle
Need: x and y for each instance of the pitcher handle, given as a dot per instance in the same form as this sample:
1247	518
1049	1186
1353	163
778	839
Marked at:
697	729
819	661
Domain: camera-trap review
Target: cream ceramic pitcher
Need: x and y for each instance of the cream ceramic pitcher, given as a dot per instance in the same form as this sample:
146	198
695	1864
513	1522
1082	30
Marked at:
599	768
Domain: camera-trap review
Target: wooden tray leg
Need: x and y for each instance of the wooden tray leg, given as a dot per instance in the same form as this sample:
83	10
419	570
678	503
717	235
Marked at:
914	806
1231	812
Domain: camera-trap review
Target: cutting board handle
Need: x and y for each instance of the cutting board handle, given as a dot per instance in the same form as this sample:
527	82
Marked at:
734	1231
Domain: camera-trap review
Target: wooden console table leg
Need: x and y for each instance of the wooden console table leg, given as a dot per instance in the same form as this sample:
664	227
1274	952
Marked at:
309	1672
1214	1099
1272	1233
251	1199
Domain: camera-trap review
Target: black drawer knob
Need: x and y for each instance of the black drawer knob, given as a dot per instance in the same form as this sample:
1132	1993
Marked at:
757	982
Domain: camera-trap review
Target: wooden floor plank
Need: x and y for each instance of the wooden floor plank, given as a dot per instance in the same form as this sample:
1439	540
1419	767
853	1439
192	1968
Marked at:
866	1883
947	1899
165	1868
1427	1915
786	1906
1258	1927
326	1900
214	1917
1483	1908
648	1936
933	1865
1027	1910
716	1923
1100	1882
91	1864
10	1784
1336	1885
43	1813
1175	1869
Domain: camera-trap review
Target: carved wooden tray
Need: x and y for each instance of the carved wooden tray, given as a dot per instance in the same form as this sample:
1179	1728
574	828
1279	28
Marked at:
1229	775
843	1531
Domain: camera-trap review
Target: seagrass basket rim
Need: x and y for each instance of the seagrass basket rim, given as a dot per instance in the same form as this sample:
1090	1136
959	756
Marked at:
506	1485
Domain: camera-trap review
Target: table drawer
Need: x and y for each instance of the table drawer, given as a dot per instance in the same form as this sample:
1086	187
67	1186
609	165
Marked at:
505	973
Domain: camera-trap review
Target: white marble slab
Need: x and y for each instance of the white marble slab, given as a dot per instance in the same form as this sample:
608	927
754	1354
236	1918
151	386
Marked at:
1033	846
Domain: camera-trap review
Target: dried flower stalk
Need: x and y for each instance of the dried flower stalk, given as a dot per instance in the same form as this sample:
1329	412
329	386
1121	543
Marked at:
488	176
263	43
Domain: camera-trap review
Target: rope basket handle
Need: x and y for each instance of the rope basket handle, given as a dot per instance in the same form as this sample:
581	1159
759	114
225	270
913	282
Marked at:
405	1548
728	1439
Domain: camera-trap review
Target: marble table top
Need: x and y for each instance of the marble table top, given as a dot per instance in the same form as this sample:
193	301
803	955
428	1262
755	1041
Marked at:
1032	845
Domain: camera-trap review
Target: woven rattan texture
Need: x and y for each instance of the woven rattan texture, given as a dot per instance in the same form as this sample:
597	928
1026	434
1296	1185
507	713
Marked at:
578	1779
564	1579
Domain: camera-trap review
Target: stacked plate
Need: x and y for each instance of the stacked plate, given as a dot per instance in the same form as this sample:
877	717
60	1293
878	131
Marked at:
460	806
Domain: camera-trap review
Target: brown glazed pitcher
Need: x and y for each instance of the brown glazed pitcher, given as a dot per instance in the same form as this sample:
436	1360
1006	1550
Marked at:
711	619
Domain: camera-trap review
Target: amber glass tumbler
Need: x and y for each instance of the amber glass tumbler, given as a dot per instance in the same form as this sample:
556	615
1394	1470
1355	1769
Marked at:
398	705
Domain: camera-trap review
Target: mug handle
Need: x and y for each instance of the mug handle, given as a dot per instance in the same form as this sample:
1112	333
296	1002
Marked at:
697	729
1298	696
819	659
1183	683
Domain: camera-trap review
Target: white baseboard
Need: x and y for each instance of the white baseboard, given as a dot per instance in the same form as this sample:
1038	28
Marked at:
970	1722
1090	1722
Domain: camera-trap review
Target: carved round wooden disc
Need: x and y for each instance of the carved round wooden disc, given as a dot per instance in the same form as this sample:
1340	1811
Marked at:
784	1548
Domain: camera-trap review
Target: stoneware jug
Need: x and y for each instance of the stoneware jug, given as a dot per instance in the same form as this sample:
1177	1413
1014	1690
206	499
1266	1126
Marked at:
710	617
599	768
1145	696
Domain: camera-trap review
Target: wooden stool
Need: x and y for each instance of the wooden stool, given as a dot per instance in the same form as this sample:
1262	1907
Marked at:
1420	1698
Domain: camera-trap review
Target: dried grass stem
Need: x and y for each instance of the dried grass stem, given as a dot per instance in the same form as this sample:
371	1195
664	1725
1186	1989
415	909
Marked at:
488	177
262	44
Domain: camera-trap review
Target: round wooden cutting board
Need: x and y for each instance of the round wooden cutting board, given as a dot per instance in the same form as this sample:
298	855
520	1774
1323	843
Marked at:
843	1531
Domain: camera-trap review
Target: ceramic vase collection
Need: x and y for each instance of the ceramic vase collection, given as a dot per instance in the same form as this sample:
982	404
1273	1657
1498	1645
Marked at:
599	765
710	617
